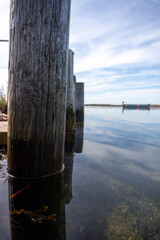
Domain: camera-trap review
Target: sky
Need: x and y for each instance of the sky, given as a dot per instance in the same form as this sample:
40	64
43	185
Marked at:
116	45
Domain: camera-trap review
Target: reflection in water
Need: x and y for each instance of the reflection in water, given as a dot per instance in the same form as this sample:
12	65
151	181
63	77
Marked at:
4	211
116	179
67	173
68	162
37	208
135	109
78	147
112	191
69	140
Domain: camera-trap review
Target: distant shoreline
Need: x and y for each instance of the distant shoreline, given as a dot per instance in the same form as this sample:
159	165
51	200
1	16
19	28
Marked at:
102	105
112	105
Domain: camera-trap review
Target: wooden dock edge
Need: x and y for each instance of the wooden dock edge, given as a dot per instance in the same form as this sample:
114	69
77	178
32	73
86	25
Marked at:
3	132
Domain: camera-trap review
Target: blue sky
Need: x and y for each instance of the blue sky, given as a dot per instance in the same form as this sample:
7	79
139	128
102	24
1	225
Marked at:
117	49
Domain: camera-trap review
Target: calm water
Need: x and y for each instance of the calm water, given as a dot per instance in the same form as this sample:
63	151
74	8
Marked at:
109	190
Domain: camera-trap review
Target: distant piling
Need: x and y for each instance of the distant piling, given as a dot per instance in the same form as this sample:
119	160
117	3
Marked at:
39	32
74	82
70	109
79	101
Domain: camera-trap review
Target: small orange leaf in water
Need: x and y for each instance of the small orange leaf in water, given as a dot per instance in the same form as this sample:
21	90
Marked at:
19	191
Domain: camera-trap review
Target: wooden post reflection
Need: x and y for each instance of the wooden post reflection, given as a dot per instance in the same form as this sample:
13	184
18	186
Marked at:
37	208
68	162
78	147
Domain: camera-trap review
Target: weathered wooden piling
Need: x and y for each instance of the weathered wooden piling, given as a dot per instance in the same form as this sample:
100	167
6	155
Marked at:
74	82
74	79
39	32
79	99
70	109
79	102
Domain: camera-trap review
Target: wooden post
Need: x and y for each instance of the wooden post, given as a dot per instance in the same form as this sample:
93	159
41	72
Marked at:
74	82
79	96
70	110
39	32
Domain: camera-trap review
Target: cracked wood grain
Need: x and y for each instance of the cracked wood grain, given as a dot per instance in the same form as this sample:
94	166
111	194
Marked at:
39	33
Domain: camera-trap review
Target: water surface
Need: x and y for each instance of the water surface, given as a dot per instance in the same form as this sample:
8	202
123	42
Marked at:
116	179
110	188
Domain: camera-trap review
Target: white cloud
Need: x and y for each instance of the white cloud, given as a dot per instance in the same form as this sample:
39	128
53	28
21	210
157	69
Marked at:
4	19
111	97
109	37
4	79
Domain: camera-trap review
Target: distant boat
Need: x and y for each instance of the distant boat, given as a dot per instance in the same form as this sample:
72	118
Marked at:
136	106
